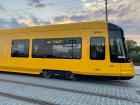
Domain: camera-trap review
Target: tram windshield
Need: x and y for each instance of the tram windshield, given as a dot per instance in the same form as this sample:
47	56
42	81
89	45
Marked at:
118	51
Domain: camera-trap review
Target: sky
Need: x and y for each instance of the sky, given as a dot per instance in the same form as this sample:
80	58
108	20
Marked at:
26	13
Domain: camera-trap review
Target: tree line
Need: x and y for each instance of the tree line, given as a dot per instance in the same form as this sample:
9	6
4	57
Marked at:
133	51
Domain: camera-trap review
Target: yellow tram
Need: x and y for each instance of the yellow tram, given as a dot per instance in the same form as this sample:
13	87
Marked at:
86	48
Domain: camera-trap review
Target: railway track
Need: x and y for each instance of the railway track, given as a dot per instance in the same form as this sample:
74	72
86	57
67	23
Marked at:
26	99
60	89
113	83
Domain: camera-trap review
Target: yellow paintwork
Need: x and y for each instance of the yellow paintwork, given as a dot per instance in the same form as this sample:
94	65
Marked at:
80	66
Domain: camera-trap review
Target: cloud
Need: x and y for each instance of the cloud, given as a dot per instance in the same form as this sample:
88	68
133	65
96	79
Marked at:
36	3
31	20
2	8
37	21
68	18
61	18
11	23
78	18
21	21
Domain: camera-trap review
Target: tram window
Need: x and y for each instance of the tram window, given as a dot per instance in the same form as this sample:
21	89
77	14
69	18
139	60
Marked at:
118	51
65	48
20	48
97	48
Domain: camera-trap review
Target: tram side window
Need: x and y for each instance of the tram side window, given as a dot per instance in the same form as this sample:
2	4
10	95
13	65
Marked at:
20	48
97	48
65	48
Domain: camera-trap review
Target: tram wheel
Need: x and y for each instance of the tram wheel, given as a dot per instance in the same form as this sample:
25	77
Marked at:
46	74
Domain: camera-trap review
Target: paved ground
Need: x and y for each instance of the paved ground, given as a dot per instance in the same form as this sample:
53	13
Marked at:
137	69
18	89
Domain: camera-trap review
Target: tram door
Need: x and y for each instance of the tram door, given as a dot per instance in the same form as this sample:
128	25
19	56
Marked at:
100	57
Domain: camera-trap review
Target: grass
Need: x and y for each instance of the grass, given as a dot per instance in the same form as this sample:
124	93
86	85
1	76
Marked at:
137	64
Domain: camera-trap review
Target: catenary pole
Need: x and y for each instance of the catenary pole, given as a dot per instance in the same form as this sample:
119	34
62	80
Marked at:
106	10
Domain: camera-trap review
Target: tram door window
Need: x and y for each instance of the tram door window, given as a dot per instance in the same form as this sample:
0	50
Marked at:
97	48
